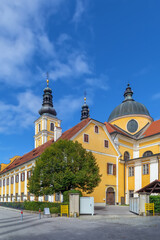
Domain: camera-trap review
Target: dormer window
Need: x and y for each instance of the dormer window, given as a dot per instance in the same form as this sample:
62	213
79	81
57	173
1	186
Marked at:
96	129
52	127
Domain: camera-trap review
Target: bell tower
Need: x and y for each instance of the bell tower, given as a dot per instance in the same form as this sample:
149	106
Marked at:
47	126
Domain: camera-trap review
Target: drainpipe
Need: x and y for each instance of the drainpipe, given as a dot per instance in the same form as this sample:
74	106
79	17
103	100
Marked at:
124	180
158	167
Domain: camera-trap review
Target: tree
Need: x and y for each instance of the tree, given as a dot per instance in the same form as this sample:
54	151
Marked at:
63	166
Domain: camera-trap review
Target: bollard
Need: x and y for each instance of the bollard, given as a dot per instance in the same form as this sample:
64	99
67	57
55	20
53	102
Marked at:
39	213
21	215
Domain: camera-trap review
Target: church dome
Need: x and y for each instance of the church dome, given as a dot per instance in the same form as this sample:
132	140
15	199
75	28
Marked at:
128	107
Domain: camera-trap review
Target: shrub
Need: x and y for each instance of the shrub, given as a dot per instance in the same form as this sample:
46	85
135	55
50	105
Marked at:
156	201
54	210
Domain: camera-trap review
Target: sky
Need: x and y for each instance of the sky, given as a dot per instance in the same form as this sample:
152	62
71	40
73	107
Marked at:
94	46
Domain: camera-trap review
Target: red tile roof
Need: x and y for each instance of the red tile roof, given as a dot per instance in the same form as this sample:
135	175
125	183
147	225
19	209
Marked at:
111	129
154	128
39	150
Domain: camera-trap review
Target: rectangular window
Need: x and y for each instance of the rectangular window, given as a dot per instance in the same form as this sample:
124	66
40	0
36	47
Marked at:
12	180
22	177
7	181
106	143
11	197
28	174
3	182
145	169
86	138
39	127
16	197
131	193
17	178
7	198
52	127
111	168
46	198
131	171
28	196
22	196
96	130
57	197
0	183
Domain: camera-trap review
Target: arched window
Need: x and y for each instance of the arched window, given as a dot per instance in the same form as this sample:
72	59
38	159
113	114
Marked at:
126	156
147	153
52	127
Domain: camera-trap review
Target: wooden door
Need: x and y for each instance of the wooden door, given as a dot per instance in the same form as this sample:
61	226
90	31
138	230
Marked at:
110	196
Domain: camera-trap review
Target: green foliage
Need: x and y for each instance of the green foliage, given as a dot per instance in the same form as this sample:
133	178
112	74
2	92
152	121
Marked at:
54	210
35	206
66	194
65	165
156	201
16	205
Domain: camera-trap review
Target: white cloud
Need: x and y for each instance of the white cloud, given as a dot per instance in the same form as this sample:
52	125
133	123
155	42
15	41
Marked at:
14	117
63	38
22	28
75	66
67	106
80	8
98	82
156	96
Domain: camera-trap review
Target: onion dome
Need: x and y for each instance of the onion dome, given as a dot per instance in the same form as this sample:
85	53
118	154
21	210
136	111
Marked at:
47	105
128	107
85	110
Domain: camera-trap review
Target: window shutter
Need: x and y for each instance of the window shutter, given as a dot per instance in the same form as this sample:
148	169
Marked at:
114	169
107	168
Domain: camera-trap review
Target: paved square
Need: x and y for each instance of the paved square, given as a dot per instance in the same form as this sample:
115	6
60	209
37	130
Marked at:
86	227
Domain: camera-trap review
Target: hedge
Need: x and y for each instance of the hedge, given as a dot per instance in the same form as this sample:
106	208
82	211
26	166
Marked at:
156	201
34	206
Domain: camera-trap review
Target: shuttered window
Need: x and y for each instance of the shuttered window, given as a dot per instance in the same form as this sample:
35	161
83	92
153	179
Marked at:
111	168
86	138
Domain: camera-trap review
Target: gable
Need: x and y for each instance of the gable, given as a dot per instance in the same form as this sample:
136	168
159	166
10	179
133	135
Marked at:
96	140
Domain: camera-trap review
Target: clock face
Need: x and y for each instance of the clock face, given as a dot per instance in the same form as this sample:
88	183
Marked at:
132	126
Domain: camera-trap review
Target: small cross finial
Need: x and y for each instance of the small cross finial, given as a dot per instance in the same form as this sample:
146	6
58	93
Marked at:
85	96
47	79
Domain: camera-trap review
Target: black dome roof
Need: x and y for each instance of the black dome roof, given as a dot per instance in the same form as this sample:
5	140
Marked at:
128	107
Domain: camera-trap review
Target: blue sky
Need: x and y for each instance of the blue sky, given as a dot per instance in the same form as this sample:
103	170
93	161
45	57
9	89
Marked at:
98	46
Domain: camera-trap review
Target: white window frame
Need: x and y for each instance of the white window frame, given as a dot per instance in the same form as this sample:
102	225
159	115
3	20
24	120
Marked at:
131	171
145	168
110	168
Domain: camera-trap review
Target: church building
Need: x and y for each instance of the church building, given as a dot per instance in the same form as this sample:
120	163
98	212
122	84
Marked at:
126	147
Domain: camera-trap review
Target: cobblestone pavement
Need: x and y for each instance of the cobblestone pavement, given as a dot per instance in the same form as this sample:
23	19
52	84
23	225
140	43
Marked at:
86	227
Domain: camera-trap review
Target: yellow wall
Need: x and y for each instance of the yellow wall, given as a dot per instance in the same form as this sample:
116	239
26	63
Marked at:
96	143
